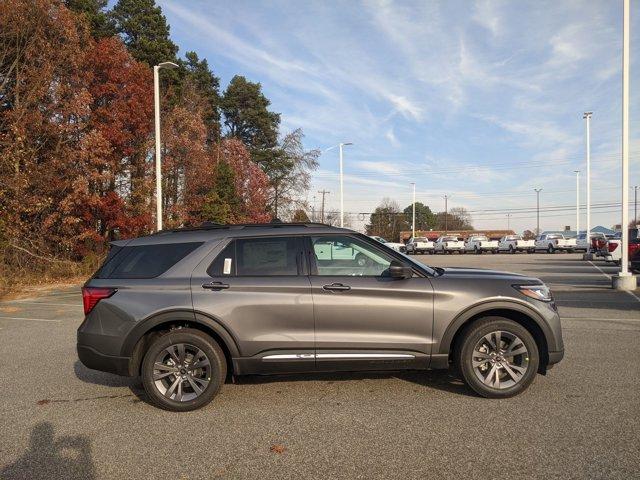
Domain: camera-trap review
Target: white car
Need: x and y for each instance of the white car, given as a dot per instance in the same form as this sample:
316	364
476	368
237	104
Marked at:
515	243
480	244
555	241
419	245
449	244
398	247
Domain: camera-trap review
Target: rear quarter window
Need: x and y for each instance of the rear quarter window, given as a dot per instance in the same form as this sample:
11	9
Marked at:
145	261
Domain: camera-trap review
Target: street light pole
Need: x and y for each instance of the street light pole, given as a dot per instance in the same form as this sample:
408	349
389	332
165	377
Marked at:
342	186
587	117
508	221
156	103
577	172
537	190
635	205
446	214
413	220
624	280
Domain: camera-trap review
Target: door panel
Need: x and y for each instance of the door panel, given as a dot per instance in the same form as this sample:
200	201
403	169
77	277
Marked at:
387	322
265	314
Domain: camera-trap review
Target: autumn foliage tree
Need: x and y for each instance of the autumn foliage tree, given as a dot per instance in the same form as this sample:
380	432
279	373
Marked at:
76	132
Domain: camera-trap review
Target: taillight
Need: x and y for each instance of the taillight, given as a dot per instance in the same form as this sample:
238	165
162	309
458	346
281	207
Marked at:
92	295
612	246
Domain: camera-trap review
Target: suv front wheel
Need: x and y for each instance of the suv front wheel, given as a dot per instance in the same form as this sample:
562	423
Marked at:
183	370
498	357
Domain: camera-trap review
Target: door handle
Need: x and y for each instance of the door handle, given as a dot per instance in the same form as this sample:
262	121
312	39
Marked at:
336	287
215	286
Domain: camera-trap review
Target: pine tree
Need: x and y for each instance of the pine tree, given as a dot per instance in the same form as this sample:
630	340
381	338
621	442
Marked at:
197	72
94	12
144	30
222	202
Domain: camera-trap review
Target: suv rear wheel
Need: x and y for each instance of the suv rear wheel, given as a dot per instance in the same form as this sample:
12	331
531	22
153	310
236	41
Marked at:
183	370
498	357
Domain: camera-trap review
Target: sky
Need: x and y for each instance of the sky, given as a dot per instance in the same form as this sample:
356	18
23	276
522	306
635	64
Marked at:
480	101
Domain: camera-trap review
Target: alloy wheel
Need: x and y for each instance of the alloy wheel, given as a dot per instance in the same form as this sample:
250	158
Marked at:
500	359
181	372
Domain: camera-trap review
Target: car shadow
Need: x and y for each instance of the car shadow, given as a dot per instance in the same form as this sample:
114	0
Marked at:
96	377
67	457
435	379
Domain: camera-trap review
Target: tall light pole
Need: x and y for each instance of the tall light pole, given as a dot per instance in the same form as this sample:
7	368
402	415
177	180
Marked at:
537	190
342	185
508	221
413	219
446	214
577	172
624	280
587	117
635	205
156	102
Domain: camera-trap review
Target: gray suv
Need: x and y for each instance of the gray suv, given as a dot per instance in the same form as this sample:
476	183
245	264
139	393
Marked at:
187	308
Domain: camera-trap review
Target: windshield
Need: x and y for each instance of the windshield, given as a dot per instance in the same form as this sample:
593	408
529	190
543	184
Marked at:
420	239
555	236
480	239
450	239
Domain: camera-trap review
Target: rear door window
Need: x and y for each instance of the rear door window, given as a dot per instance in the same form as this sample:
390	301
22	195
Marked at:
266	256
145	261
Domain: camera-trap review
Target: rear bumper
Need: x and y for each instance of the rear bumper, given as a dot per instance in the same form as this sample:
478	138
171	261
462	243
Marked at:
95	360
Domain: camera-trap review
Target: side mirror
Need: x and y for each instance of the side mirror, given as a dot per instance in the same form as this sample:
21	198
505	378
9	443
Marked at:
399	271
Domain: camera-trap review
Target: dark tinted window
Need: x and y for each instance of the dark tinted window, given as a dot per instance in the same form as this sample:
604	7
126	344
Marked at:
108	263
228	257
257	257
145	261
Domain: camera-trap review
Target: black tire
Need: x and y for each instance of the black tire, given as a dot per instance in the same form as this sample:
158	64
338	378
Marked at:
550	249
511	249
199	340
474	334
476	250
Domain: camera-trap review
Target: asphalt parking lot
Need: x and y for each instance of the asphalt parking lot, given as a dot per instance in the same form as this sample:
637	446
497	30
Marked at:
61	420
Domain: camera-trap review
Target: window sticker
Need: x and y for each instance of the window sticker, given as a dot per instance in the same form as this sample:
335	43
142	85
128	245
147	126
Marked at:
226	269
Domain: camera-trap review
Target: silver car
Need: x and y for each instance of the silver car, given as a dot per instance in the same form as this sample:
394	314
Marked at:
186	309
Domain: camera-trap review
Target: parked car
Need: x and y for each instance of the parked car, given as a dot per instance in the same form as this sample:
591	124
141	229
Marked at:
581	240
515	243
612	250
185	308
552	242
398	247
448	244
419	245
480	244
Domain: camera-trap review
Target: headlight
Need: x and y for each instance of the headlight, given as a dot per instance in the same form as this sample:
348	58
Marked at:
538	292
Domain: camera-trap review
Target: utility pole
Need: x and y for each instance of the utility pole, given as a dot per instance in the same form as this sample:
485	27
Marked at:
508	221
624	280
537	190
323	193
446	214
587	117
156	104
577	172
313	209
413	221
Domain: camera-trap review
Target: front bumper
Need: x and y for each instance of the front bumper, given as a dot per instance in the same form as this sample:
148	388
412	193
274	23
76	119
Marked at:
555	357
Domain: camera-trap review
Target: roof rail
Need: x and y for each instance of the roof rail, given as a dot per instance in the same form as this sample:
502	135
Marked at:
239	226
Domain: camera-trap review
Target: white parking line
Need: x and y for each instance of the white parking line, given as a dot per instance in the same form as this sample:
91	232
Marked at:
609	277
48	320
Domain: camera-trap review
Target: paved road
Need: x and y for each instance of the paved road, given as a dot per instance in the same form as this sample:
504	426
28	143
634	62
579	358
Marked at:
61	420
